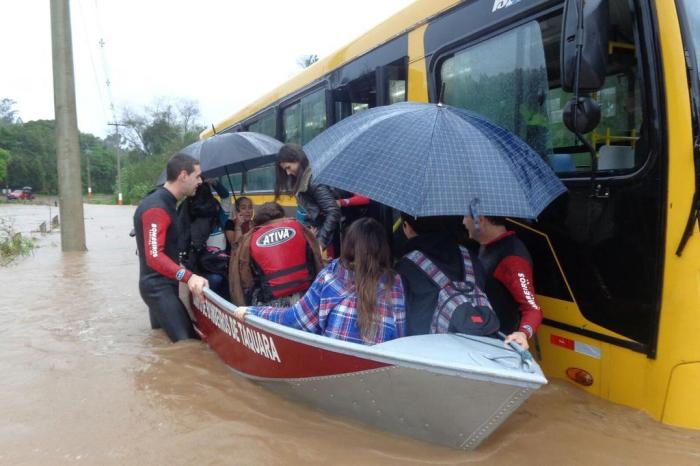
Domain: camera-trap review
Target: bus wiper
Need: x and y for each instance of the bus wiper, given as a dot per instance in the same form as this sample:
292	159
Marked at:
694	215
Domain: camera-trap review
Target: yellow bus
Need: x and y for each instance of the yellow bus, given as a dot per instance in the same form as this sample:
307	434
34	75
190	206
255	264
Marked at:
617	259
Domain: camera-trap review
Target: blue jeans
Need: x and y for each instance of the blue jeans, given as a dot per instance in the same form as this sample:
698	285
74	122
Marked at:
219	285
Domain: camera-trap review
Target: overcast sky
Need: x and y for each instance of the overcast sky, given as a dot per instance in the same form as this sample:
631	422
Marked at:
223	54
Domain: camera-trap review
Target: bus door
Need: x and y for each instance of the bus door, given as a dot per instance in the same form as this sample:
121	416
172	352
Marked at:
598	250
377	78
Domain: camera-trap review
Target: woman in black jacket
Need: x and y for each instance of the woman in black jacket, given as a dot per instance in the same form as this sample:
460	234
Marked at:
322	211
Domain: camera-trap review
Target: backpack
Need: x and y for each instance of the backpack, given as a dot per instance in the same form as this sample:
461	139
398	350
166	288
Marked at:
458	308
212	260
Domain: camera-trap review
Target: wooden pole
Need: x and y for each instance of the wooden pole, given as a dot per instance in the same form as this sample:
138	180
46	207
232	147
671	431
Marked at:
70	189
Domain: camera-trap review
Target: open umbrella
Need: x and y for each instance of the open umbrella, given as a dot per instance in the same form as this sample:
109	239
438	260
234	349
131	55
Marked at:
231	153
433	159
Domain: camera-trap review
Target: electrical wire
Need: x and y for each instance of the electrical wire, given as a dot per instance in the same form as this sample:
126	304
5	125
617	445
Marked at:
92	61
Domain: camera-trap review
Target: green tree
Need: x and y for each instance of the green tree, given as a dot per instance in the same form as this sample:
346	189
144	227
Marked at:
8	115
102	164
305	61
33	149
164	126
149	137
4	160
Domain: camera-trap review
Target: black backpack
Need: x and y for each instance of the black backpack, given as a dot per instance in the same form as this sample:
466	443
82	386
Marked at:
461	306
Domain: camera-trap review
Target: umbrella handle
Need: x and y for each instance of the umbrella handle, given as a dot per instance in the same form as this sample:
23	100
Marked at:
228	177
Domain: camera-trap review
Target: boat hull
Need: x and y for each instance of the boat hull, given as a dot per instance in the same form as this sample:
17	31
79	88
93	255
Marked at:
415	386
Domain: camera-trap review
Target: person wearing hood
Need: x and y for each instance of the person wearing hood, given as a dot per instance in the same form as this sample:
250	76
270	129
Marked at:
322	213
436	239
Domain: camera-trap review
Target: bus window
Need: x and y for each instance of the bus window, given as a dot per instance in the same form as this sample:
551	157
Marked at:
504	79
395	82
513	79
291	122
232	182
355	96
385	86
305	119
313	115
260	179
265	125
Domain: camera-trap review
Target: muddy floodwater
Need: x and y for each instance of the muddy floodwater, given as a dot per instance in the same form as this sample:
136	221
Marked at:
84	380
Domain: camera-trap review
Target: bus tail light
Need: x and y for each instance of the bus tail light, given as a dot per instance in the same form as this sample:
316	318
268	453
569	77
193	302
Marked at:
579	376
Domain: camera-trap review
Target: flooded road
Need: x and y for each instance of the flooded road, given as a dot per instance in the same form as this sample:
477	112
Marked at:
84	380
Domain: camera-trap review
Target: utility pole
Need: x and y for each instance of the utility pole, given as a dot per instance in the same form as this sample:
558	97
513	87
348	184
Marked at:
119	162
70	190
87	160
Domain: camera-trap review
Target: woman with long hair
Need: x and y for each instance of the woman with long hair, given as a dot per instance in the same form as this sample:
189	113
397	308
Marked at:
293	174
356	298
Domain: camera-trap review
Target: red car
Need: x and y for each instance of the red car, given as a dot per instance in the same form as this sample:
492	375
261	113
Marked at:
24	193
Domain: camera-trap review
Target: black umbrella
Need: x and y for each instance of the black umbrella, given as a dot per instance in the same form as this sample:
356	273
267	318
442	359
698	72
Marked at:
231	153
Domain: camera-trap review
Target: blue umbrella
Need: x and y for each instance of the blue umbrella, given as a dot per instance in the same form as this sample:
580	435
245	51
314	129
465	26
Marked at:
433	159
231	153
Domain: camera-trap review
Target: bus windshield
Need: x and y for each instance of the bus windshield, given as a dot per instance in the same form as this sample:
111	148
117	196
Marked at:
691	33
513	79
692	17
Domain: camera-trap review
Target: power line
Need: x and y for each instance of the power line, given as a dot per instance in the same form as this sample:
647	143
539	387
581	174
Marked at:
105	67
108	84
92	62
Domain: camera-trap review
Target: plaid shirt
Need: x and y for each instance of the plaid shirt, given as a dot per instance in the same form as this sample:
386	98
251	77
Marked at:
329	308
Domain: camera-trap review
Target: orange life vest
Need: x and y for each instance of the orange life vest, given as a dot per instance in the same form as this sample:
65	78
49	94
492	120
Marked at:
280	254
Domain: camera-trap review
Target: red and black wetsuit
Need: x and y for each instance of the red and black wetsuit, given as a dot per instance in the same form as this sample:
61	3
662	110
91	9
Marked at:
509	284
157	241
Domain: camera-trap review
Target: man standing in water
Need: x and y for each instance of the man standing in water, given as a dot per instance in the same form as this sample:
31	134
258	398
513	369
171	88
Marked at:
508	268
157	241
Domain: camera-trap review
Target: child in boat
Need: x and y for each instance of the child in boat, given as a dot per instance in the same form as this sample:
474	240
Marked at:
240	223
357	298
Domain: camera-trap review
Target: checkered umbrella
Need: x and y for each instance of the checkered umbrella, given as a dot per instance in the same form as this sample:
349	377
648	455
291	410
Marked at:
433	159
231	153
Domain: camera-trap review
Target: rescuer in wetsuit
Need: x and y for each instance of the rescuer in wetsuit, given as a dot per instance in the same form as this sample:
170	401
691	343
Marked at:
155	225
508	268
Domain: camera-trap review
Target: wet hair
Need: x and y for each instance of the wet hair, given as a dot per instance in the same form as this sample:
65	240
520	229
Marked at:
268	211
239	201
291	153
203	204
433	224
366	251
500	221
179	162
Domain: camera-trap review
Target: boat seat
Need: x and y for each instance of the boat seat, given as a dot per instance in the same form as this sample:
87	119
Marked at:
615	157
561	163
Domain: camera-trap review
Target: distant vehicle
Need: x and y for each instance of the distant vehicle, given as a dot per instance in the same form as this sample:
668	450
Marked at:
24	193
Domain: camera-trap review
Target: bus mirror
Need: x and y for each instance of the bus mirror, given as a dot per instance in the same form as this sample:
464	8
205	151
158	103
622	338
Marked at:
581	117
586	34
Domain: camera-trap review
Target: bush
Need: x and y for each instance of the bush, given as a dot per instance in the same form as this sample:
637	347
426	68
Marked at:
139	177
12	244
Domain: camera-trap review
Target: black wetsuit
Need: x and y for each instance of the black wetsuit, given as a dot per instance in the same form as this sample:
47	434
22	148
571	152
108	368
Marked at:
509	284
155	225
